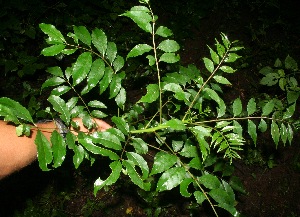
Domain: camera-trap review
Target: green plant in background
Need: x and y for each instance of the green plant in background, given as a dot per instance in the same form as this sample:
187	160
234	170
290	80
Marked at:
196	135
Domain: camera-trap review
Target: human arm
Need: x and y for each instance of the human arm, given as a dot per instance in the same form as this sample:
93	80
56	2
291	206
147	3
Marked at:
18	152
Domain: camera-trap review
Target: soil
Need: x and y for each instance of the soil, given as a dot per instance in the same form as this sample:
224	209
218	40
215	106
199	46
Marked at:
271	189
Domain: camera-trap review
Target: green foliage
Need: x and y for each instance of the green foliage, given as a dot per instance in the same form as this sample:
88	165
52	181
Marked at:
196	132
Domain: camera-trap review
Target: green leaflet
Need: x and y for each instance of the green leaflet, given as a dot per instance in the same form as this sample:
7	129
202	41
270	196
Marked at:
94	76
104	83
262	125
152	94
56	71
275	133
54	81
290	63
251	106
199	196
164	31
139	161
140	15
169	58
223	199
151	60
53	50
107	139
162	162
289	111
201	132
221	79
270	79
220	49
83	34
111	52
225	40
237	184
121	98
87	143
227	69
116	84
232	57
184	187
237	107
12	110
290	134
99	40
173	87
60	90
252	130
81	67
214	56
60	106
121	124
118	63
55	36
175	124
44	151
210	181
168	46
134	176
171	178
118	133
209	65
139	145
96	104
268	108
138	50
214	96
283	133
58	149
116	168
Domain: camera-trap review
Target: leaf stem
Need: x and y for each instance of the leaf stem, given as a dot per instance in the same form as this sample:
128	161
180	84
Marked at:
157	66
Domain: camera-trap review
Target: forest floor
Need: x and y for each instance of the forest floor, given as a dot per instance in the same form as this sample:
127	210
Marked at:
271	176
